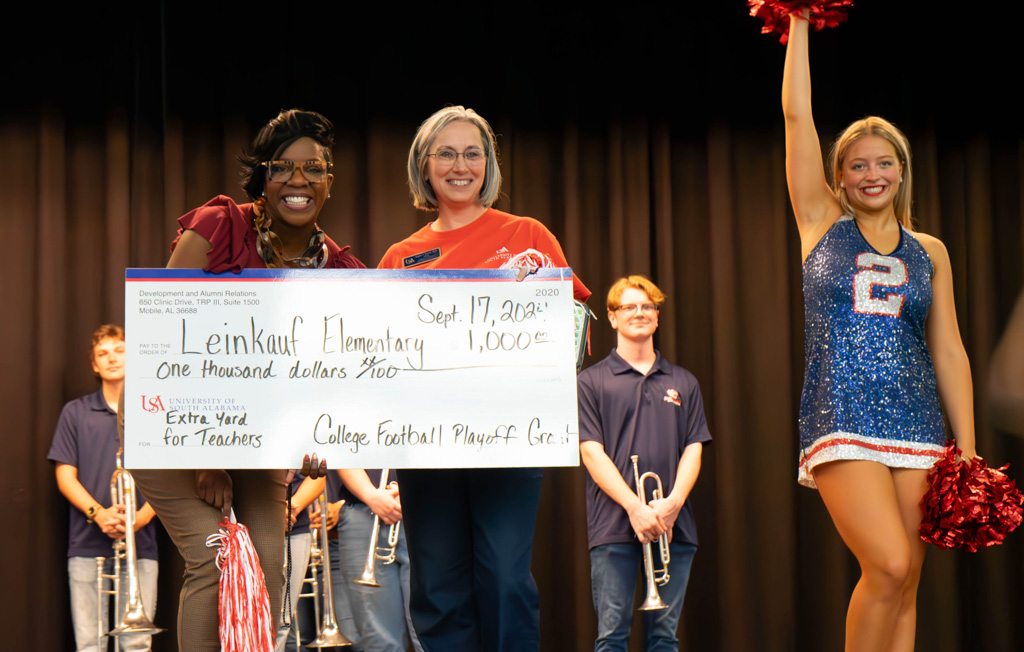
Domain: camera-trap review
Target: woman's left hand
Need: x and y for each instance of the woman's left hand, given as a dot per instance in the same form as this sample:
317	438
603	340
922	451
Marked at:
310	467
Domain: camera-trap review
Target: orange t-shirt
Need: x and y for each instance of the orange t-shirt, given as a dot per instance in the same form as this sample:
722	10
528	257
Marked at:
493	240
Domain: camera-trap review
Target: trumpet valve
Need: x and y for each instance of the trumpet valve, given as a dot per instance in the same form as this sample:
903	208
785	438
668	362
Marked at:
386	555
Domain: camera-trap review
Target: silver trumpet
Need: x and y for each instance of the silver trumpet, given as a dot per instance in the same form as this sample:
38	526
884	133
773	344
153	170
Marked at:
316	560
330	635
133	620
385	554
654	578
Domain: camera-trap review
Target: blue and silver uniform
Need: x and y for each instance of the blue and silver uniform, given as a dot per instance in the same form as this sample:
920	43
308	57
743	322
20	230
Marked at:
869	384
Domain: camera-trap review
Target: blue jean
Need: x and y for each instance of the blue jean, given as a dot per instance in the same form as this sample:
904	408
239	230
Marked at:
381	613
614	569
306	611
85	609
470	544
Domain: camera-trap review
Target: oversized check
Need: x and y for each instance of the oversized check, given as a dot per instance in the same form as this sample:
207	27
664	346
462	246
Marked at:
366	368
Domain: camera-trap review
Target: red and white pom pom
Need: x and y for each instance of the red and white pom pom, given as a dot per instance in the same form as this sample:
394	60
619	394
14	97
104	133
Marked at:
244	606
969	505
775	14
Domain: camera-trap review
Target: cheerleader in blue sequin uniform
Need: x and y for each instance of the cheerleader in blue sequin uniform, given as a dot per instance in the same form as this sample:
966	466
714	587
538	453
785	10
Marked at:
869	384
882	346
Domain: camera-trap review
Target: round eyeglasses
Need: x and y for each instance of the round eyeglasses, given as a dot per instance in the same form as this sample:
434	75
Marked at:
446	157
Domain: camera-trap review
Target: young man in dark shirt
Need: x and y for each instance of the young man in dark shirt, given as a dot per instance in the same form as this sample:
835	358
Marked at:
84	449
634	402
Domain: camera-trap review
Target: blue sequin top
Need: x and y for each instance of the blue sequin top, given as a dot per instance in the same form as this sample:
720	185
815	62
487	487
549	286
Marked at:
869	384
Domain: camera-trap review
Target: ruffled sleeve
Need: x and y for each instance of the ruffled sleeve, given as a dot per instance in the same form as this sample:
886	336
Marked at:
228	228
339	258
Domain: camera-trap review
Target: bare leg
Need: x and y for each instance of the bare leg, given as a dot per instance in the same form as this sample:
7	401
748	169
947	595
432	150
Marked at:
911	485
862	499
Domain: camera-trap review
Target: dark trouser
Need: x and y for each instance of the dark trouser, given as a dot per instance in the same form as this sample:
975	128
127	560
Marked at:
470	537
259	497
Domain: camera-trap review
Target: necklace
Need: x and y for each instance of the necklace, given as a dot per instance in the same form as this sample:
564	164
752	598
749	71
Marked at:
269	245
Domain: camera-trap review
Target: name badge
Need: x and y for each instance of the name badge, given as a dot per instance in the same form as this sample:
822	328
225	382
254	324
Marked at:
422	257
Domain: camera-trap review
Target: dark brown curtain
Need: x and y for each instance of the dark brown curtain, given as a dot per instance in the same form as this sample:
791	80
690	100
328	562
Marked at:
648	141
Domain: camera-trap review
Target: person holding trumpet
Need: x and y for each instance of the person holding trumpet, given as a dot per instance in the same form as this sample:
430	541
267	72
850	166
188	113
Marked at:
636	408
84	450
377	589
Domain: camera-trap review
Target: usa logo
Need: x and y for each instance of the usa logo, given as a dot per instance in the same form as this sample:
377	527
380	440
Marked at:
153	404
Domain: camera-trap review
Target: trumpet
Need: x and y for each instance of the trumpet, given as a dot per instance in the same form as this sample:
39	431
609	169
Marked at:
652	601
330	634
385	554
133	620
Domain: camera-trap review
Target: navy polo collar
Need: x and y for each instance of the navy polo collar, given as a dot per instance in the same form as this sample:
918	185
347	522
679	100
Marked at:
97	402
620	366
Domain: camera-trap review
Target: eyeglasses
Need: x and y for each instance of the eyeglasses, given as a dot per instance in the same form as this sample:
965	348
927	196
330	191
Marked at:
646	308
446	157
282	171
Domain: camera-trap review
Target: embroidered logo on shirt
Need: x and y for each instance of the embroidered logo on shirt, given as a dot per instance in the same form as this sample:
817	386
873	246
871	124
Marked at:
422	257
671	396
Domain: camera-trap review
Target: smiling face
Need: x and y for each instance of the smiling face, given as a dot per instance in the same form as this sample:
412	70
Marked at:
871	174
459	184
295	203
635	325
108	359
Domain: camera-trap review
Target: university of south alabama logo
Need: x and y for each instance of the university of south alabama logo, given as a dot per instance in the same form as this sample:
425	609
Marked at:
153	404
671	396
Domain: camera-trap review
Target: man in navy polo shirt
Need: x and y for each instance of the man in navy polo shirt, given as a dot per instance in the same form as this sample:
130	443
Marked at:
84	449
634	402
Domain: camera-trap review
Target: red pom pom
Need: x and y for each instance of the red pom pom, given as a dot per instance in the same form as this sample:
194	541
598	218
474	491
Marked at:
969	505
775	14
244	606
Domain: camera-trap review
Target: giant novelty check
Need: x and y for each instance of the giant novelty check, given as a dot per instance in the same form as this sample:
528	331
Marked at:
366	368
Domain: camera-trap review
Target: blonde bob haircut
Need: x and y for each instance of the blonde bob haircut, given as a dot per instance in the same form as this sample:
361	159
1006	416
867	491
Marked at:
874	126
638	282
423	195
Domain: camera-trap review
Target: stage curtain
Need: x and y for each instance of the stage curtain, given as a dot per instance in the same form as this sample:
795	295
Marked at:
702	210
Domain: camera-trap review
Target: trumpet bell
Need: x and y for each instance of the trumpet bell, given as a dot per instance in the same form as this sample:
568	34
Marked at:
367	578
330	636
653	603
135	622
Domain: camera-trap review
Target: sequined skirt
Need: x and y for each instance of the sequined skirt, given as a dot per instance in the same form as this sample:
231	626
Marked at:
893	453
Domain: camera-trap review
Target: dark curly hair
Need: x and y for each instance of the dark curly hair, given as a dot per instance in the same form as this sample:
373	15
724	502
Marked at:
275	137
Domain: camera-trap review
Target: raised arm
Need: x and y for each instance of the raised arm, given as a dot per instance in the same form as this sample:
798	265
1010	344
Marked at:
815	206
